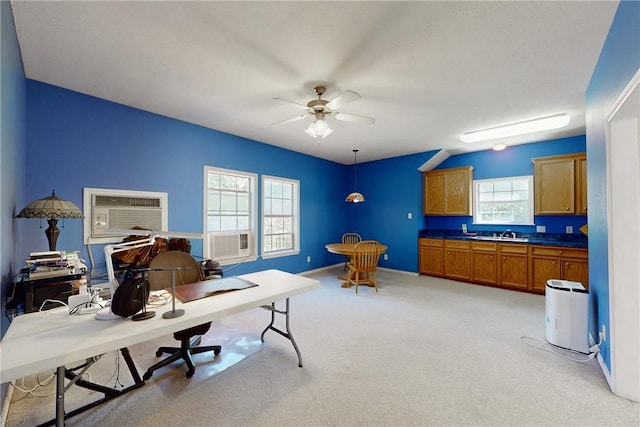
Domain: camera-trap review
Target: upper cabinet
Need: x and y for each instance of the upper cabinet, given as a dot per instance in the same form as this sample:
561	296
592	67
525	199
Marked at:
448	191
560	184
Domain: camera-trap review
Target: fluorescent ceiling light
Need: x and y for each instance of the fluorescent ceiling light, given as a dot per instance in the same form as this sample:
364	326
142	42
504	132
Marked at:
536	125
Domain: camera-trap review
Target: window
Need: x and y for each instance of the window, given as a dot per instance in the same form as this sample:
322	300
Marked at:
280	218
230	209
503	201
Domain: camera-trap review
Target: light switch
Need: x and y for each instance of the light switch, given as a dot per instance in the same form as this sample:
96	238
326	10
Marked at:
409	215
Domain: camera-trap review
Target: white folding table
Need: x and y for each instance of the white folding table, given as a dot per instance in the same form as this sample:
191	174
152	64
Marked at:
36	342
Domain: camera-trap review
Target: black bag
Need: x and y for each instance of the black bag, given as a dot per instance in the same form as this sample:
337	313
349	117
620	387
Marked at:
130	296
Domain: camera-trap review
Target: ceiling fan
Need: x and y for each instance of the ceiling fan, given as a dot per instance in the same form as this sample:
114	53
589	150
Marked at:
321	109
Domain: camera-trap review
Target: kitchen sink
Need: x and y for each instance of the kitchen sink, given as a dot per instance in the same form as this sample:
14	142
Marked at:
502	239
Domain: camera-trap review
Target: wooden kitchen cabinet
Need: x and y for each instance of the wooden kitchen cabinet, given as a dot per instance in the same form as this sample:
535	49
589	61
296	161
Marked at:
560	184
581	185
549	262
484	262
448	191
457	259
513	264
431	257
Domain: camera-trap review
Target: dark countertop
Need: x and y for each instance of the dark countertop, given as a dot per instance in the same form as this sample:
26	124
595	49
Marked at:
546	239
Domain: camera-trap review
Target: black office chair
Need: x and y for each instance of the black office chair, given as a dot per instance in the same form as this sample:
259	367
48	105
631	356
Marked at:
191	337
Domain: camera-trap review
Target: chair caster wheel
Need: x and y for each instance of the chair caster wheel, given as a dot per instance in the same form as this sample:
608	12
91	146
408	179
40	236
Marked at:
158	353
147	375
190	373
216	352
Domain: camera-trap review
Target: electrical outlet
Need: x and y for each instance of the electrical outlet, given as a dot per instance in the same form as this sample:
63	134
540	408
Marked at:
603	333
386	257
541	229
464	228
569	229
308	259
409	215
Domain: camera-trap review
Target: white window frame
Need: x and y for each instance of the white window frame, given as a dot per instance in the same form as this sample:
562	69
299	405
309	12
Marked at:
476	199
295	216
253	215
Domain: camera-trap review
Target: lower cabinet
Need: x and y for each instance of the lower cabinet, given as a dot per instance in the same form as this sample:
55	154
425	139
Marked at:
457	259
484	262
511	265
549	262
431	256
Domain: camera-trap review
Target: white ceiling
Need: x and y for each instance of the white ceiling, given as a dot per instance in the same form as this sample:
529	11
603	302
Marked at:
427	71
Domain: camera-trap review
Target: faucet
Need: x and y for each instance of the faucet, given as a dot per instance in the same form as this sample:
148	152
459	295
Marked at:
508	233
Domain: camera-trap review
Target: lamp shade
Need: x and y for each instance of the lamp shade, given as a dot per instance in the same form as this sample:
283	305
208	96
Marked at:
51	207
355	197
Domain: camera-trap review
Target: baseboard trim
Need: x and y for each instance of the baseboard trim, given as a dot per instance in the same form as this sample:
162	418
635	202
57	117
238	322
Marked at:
410	273
317	270
603	366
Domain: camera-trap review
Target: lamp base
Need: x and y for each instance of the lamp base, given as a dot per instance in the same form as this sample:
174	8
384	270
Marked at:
52	233
173	314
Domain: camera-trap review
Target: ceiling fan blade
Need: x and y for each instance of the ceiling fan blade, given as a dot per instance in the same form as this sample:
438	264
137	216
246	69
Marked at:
345	98
295	104
361	120
292	119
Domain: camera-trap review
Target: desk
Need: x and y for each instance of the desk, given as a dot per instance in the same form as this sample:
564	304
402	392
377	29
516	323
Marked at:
39	341
347	249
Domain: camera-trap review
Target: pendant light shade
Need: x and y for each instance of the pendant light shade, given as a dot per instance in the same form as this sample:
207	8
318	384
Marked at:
355	197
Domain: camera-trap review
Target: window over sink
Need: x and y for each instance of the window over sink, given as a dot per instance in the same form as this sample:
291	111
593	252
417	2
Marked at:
505	201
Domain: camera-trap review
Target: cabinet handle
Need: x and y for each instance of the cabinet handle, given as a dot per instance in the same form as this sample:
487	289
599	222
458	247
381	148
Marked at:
567	208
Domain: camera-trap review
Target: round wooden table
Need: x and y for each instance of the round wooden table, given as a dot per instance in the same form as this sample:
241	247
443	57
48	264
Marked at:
347	249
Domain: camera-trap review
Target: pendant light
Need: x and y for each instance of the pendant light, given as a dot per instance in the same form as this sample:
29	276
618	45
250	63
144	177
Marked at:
355	197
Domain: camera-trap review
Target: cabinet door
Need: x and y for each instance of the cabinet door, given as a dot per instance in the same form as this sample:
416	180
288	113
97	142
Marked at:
543	269
513	265
431	260
581	186
457	259
554	186
576	270
458	187
484	267
434	193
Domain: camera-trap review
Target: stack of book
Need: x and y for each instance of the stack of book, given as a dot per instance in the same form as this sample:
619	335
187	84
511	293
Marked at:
47	264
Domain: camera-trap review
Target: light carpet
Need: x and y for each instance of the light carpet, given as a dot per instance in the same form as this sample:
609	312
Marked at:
422	351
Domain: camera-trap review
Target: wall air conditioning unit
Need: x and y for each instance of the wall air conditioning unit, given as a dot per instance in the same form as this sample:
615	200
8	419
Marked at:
228	245
122	209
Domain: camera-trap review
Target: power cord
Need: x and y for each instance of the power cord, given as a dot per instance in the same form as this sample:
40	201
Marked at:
593	350
39	384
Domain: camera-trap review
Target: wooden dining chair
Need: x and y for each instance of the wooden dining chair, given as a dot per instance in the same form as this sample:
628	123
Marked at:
364	263
350	238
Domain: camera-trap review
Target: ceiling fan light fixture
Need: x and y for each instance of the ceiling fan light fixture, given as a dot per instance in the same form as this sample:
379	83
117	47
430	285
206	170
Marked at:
318	128
520	128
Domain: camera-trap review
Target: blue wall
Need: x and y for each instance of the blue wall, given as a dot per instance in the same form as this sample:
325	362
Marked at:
619	60
78	141
513	161
392	188
12	155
